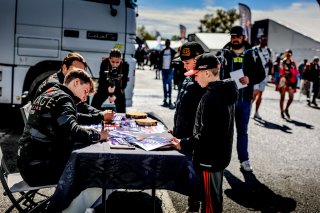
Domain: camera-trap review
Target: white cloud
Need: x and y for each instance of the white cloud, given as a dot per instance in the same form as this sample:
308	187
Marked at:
303	17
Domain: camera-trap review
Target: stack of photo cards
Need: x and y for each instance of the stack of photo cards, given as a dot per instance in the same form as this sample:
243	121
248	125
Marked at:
120	143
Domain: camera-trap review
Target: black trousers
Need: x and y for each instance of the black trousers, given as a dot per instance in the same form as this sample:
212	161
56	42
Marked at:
120	101
210	192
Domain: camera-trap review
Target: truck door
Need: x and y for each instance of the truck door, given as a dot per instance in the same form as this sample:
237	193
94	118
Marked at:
88	26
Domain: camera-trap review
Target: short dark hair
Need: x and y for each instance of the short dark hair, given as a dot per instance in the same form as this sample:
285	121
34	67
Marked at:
71	57
167	42
116	53
84	77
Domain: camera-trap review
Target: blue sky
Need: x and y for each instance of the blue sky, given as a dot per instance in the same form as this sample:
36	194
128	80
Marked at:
166	15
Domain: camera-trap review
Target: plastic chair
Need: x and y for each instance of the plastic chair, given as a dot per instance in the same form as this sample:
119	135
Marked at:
21	195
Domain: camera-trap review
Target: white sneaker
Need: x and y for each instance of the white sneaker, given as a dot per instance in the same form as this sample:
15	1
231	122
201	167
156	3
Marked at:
245	165
256	115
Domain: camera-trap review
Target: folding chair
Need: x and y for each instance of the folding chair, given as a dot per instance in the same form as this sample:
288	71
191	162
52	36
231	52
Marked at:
22	196
25	110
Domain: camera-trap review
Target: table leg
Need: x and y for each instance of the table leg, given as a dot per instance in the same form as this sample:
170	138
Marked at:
104	202
153	195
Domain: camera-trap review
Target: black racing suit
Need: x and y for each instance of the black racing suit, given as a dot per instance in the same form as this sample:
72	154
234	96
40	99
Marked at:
112	77
49	136
86	113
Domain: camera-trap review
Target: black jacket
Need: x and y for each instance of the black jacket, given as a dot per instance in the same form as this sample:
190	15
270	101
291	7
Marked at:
212	138
312	73
172	52
251	66
119	79
86	113
51	131
187	102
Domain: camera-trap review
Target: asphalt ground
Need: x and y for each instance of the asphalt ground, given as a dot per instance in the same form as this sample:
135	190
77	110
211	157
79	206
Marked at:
284	155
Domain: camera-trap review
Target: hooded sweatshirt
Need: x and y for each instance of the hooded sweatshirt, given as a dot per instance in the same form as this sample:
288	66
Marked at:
212	138
249	61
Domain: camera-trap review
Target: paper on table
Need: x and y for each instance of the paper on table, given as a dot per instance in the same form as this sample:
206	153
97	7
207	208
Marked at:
236	75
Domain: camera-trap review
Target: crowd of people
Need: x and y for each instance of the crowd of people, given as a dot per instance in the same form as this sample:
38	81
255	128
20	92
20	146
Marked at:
215	95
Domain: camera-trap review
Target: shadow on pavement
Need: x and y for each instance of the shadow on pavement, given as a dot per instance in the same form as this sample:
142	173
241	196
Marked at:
124	202
270	125
256	196
315	107
298	123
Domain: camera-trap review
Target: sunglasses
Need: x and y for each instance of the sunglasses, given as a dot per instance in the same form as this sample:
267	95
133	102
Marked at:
236	36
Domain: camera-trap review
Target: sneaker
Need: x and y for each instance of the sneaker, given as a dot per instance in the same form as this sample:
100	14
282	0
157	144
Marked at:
257	116
282	115
287	113
172	106
245	165
165	104
314	103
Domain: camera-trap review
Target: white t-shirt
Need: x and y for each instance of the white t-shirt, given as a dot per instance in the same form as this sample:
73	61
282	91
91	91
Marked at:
166	60
265	56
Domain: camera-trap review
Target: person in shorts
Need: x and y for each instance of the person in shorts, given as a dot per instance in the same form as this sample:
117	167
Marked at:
265	55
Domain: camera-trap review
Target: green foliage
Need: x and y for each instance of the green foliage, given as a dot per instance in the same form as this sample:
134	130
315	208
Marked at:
221	22
143	34
175	38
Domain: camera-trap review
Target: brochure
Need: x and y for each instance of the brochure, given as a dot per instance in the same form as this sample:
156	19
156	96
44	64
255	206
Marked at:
154	142
236	75
119	143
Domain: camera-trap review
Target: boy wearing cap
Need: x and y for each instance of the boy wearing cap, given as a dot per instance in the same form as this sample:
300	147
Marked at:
187	102
238	56
211	142
190	92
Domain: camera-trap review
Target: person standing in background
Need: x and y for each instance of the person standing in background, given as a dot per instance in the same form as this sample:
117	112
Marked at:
238	57
287	82
113	79
265	55
312	73
301	69
166	57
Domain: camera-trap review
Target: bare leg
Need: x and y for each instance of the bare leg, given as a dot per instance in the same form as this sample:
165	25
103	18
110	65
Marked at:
291	94
282	95
258	101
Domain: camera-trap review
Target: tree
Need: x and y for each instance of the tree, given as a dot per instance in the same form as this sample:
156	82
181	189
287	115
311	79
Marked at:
143	34
175	38
221	22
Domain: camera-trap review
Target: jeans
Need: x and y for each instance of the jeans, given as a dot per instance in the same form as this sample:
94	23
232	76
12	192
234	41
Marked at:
167	76
242	115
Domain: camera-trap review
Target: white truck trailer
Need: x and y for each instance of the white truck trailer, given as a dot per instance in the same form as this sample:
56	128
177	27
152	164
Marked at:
35	35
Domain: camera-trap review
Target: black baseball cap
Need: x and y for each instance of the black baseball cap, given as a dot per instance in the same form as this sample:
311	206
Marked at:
237	30
189	50
204	62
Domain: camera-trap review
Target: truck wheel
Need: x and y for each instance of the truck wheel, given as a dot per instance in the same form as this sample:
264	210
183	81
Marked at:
36	83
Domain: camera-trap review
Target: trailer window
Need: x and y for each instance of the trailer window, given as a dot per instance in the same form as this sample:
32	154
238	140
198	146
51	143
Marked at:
131	3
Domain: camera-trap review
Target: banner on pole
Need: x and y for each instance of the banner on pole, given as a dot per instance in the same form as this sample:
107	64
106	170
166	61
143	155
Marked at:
245	20
183	31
